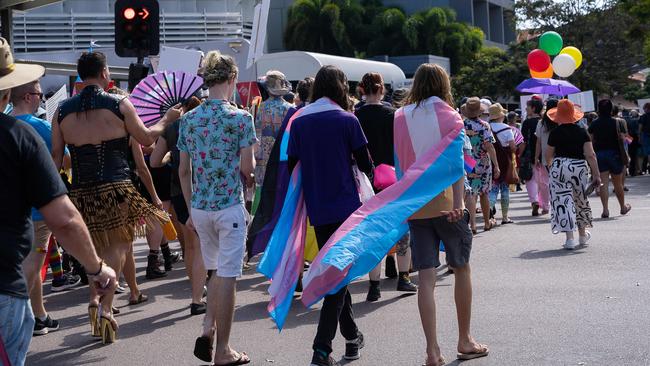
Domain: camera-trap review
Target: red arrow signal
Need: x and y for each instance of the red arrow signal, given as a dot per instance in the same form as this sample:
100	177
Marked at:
144	13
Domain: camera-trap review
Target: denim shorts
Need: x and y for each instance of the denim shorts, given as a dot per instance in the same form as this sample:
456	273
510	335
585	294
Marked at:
16	327
609	161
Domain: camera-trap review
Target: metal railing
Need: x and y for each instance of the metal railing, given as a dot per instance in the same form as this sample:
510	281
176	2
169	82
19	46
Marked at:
74	31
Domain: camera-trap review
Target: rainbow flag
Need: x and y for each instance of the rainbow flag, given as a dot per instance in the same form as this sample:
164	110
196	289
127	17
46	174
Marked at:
369	233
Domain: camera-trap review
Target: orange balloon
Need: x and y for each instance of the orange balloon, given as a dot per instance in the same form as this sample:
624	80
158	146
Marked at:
548	73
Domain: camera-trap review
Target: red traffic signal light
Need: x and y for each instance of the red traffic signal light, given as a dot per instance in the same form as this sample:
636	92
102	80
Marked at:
137	29
129	13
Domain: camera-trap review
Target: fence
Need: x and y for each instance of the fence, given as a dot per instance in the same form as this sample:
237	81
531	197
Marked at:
74	31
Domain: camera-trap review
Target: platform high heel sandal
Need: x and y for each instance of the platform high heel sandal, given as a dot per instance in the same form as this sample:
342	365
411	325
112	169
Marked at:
93	314
108	331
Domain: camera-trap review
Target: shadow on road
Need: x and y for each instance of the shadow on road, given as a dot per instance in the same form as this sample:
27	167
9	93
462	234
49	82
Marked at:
552	253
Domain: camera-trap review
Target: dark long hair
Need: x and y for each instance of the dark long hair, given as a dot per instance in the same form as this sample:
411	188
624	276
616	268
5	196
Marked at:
605	108
546	122
331	82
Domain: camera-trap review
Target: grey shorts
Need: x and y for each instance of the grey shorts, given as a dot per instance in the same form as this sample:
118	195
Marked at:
426	235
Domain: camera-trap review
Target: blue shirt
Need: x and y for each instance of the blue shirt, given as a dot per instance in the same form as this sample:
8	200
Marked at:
44	129
323	143
213	134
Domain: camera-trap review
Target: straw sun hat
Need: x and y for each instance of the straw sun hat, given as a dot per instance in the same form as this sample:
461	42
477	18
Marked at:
565	112
12	74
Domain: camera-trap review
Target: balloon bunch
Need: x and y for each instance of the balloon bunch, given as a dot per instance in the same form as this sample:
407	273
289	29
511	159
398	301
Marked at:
566	60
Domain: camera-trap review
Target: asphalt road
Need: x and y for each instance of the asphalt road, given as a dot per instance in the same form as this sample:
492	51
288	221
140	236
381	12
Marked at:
534	304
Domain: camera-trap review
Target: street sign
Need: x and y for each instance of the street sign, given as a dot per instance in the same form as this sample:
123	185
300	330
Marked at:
137	28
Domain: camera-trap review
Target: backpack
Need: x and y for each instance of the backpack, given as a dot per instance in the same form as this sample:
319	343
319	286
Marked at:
506	162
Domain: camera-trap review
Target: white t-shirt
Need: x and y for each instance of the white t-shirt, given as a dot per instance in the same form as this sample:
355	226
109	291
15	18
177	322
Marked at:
504	137
542	134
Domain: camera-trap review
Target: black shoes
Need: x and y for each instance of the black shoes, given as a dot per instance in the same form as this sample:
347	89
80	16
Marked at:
535	209
404	284
198	309
319	359
153	271
42	327
374	292
352	347
169	257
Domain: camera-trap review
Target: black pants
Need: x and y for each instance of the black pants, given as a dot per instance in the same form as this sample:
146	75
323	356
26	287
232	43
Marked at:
337	308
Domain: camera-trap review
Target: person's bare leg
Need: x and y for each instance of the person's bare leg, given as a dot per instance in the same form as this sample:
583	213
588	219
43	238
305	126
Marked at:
209	321
470	202
129	274
154	237
225	309
619	183
463	299
198	272
375	274
427	308
404	261
32	266
485	208
114	256
604	192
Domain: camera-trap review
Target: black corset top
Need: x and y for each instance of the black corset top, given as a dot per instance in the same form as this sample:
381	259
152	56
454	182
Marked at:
102	163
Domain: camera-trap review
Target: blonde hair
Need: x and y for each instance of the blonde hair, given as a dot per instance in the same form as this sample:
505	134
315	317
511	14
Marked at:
218	69
430	80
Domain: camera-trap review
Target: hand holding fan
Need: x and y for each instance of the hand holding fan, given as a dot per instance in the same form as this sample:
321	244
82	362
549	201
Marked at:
156	93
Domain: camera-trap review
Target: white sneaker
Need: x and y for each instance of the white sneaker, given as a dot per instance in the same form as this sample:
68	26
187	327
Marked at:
570	244
584	239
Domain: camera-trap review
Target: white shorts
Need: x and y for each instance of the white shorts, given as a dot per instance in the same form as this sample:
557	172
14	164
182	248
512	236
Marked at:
223	239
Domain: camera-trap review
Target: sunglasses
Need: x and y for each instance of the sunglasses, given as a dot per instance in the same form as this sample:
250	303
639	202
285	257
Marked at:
40	95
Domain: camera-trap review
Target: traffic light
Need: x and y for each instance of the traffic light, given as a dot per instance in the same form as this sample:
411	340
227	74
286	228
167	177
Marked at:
137	28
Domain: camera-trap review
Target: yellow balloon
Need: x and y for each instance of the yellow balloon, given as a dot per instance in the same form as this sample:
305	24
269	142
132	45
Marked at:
546	74
574	53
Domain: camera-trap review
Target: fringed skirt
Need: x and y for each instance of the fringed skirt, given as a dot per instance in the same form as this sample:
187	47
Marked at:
115	212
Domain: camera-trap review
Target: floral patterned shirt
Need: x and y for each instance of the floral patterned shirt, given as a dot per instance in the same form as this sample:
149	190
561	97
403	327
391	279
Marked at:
268	122
213	134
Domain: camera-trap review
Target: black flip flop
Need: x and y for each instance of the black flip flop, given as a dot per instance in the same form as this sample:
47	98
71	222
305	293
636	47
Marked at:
203	349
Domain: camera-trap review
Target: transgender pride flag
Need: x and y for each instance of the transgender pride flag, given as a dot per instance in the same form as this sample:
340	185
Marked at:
369	233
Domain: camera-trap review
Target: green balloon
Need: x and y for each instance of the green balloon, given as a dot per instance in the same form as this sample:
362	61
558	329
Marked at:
551	42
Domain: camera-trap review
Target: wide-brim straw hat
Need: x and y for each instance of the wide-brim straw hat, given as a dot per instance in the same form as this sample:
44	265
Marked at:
565	112
497	111
12	74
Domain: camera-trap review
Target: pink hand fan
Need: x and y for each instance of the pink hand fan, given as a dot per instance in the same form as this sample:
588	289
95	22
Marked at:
156	93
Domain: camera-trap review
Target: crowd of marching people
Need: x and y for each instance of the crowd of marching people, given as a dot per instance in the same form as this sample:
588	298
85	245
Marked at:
216	174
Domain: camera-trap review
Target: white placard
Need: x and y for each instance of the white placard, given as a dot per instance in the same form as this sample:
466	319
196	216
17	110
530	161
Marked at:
53	102
585	100
641	102
179	59
258	36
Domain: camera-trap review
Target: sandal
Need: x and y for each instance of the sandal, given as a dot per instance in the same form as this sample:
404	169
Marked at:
488	226
139	300
481	352
203	348
508	221
242	360
627	208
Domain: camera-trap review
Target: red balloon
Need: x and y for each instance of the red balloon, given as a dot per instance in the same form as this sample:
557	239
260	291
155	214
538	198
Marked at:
538	60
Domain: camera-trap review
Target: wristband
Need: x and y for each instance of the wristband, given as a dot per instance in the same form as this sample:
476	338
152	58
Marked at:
101	265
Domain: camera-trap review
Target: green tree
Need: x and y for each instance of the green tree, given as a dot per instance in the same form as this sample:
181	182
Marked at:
434	31
599	28
317	26
493	72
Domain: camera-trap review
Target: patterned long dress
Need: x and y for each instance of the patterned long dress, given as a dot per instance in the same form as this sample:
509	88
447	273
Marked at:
480	179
